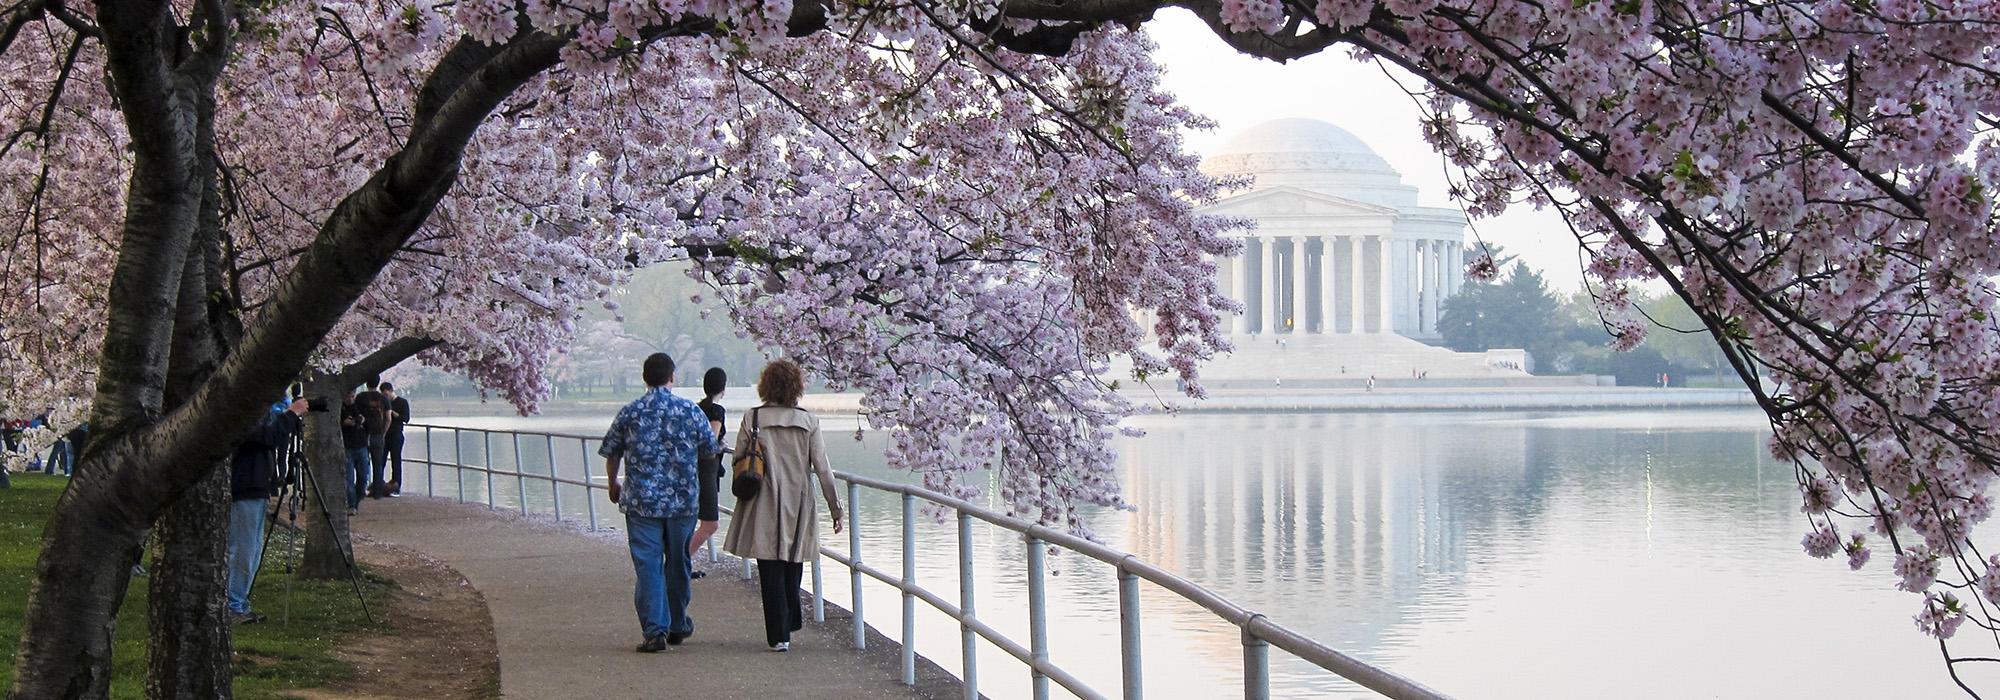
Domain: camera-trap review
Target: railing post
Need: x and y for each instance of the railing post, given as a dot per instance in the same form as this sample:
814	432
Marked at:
854	562
520	479
1038	621
909	585
1131	661
555	487
819	589
968	640
486	459
1256	664
589	499
458	461
430	466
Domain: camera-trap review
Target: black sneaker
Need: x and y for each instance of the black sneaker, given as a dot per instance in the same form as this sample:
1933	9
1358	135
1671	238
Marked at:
653	645
675	638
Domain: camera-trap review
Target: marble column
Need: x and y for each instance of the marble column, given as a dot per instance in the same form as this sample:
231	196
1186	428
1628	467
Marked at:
1330	281
1355	287
1436	261
1300	310
1270	316
1385	286
1242	287
1225	282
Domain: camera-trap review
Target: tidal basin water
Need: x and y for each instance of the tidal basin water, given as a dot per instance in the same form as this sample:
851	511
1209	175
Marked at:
1523	555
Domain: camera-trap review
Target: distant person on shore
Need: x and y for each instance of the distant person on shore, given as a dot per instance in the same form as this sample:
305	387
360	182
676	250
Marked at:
780	526
392	442
252	475
713	383
659	439
354	437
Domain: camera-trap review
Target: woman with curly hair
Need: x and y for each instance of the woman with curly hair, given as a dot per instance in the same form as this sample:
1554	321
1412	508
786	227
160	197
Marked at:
779	526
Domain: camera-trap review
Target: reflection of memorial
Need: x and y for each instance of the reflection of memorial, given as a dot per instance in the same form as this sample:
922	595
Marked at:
1362	529
1332	536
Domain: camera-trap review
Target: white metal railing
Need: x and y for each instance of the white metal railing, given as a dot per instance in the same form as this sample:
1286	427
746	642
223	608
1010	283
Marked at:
1258	632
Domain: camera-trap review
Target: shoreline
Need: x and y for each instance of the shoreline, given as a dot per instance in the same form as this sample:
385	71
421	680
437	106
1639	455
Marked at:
1341	400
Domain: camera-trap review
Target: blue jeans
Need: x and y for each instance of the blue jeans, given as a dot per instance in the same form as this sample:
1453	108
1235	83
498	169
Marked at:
357	475
246	549
59	456
659	549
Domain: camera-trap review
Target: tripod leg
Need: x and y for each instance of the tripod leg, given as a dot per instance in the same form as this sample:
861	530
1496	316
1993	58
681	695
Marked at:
346	547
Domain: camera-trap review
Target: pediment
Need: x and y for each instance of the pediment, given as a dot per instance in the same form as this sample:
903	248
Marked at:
1285	200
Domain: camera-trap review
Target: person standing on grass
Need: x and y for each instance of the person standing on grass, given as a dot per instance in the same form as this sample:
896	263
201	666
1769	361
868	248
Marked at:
658	440
779	527
399	414
252	472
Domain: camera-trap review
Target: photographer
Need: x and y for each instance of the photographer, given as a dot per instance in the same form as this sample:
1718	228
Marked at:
253	473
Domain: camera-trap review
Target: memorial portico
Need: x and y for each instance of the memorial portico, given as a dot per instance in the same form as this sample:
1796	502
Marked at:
1341	245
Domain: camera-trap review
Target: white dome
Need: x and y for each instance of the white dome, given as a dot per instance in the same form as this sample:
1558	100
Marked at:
1313	155
1296	145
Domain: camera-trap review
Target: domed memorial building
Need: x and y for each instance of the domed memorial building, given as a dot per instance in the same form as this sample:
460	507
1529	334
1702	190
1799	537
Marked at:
1344	274
1341	245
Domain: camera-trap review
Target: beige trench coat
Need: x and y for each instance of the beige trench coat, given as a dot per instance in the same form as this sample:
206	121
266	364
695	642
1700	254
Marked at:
782	522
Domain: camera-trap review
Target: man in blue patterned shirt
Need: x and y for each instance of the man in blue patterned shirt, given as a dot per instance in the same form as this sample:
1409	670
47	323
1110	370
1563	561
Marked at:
658	438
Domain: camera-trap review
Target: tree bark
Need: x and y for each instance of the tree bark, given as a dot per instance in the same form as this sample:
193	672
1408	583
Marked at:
327	542
190	646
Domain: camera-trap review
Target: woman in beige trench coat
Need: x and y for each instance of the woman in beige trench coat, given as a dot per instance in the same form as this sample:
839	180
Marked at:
780	526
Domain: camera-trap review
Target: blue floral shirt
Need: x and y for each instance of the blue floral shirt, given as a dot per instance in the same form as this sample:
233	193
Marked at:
659	436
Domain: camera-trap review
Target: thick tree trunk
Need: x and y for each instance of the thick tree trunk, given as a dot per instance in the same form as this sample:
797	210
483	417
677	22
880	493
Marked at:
187	601
88	549
189	653
327	543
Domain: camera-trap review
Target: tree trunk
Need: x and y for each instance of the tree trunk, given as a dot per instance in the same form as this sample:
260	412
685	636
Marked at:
190	651
328	544
88	551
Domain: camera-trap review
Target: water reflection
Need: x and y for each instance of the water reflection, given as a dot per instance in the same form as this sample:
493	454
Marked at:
1488	555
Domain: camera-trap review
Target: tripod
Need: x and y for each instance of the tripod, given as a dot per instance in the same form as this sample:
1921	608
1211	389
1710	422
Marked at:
292	462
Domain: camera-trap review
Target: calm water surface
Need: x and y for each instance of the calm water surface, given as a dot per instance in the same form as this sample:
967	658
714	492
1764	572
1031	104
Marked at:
1525	555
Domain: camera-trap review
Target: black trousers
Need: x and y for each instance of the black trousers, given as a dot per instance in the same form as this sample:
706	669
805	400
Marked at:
780	583
393	445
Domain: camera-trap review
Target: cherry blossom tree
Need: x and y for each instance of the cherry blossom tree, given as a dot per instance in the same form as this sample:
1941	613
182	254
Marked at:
954	207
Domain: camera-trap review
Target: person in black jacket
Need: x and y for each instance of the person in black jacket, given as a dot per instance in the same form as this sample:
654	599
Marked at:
354	437
709	467
253	471
399	413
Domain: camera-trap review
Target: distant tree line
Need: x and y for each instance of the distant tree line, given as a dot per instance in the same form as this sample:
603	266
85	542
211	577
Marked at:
1565	334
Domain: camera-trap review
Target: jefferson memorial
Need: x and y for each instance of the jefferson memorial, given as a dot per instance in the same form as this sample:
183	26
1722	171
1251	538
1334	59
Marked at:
1343	275
1340	244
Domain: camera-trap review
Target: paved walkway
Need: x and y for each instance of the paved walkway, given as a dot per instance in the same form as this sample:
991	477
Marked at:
562	613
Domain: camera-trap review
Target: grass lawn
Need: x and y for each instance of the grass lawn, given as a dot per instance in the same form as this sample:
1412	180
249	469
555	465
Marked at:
271	657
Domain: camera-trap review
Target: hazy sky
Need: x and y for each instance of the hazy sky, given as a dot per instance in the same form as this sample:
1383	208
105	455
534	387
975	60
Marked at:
1239	92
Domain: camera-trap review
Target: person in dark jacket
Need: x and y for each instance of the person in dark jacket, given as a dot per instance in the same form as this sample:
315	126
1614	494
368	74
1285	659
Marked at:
252	477
399	413
354	437
709	468
375	411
